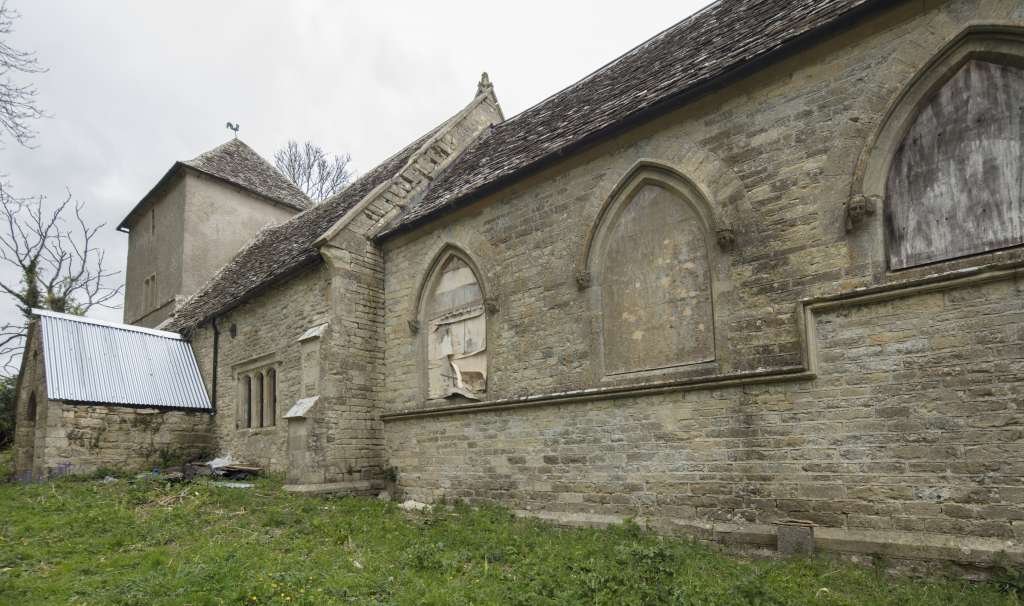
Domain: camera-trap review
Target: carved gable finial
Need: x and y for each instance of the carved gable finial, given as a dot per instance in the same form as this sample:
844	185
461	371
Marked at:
484	86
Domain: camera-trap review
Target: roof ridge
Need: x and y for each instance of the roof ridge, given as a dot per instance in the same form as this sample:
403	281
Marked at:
618	58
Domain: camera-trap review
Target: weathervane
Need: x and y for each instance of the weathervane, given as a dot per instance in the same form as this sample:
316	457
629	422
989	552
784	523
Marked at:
233	127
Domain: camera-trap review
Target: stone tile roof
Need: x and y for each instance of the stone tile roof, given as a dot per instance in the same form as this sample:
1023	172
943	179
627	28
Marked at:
238	163
681	60
279	251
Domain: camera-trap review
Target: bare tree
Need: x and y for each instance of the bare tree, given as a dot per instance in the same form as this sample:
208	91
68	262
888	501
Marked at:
314	171
17	101
60	268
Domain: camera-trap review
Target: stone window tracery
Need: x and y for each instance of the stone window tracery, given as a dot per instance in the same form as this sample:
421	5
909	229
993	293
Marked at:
455	317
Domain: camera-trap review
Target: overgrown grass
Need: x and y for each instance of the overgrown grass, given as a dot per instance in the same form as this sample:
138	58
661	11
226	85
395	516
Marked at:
149	543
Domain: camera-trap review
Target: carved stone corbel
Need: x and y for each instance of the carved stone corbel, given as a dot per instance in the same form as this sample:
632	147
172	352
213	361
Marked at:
491	305
583	280
414	326
726	238
858	208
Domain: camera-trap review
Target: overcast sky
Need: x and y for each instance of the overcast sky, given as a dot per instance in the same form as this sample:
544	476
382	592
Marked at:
133	86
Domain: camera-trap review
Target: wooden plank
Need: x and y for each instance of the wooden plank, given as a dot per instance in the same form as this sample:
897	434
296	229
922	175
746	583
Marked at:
955	185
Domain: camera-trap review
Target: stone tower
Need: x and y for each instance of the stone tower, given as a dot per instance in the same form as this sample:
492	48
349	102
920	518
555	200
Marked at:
196	218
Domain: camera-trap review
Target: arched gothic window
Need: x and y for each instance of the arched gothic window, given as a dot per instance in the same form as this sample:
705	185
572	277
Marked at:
456	331
653	279
955	186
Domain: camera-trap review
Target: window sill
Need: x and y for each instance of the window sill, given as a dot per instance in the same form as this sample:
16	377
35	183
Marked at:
256	430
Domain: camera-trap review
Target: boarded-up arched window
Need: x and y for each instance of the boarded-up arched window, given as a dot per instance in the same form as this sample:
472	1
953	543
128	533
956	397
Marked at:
655	284
456	332
955	183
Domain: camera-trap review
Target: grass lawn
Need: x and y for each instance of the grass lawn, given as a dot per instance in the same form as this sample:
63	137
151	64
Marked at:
147	542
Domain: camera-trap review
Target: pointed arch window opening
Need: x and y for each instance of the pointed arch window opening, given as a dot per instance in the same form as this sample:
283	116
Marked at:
456	322
955	185
650	259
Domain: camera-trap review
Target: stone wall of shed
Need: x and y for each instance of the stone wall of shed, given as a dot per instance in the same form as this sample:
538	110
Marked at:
911	421
30	426
82	438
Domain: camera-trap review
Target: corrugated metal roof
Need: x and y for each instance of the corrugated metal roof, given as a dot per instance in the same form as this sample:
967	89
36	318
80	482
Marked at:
102	362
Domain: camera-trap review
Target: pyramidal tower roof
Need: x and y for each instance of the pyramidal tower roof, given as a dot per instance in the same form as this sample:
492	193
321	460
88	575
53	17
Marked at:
239	164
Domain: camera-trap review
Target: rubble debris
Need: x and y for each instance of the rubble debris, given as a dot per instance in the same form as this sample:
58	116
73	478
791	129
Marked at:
228	467
411	505
239	472
233	484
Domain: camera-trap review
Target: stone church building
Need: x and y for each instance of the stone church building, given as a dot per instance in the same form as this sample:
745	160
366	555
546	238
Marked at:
766	266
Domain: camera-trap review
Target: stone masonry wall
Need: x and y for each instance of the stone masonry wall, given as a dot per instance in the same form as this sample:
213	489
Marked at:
29	425
913	424
267	331
82	439
911	420
353	353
